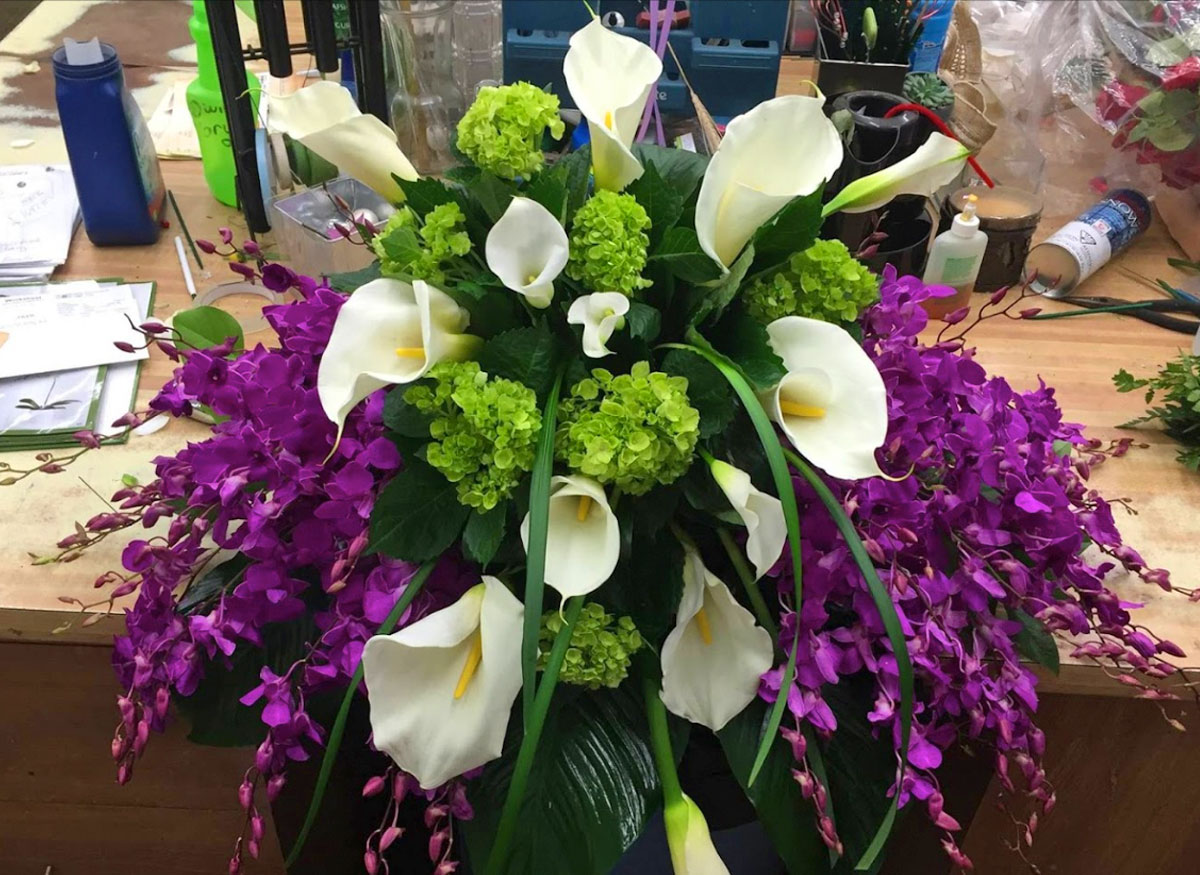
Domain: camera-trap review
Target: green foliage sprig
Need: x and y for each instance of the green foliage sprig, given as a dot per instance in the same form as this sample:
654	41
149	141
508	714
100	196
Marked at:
1177	388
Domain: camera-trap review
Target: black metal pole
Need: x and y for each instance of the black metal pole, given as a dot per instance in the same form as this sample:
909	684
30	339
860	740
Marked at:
273	34
319	29
368	61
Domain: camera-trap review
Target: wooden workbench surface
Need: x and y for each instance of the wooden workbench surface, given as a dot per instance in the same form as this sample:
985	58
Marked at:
1077	357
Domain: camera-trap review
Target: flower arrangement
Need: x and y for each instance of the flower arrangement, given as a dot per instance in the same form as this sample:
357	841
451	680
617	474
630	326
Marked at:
576	471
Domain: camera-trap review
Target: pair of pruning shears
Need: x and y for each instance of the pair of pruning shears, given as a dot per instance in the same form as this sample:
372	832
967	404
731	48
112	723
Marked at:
1156	312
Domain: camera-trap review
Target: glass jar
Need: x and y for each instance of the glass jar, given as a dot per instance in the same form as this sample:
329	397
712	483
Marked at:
426	102
478	45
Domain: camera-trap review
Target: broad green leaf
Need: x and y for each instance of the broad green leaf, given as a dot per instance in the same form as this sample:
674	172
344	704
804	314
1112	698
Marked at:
787	817
643	321
401	245
662	203
715	298
792	229
578	166
484	532
648	580
423	194
744	340
591	788
351	280
707	390
549	188
523	354
680	252
204	327
681	169
401	417
1034	641
417	516
211	583
492	194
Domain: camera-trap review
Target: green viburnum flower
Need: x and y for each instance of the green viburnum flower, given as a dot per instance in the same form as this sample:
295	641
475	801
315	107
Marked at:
608	243
823	282
600	649
406	247
502	130
634	430
484	430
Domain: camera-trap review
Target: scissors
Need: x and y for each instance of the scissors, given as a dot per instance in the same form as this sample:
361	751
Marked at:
1156	312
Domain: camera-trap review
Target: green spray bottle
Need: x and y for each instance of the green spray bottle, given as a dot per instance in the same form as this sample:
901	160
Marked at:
208	111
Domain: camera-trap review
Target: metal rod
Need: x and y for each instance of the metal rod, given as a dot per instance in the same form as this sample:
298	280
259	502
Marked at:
273	34
319	28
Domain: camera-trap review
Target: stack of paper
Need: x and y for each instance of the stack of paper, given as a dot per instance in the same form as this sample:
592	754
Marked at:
39	212
59	370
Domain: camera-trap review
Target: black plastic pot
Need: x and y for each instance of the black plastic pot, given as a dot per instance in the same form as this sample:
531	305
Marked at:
877	142
908	227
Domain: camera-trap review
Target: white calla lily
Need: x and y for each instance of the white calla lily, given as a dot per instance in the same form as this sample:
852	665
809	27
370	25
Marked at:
583	541
713	658
441	689
832	404
324	117
610	76
389	331
600	314
688	839
936	163
782	149
527	249
761	513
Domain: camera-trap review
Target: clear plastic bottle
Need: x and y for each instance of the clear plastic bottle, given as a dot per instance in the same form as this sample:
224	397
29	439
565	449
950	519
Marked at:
478	45
955	258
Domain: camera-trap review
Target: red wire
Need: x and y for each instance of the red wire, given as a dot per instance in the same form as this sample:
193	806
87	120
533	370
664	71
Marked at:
942	128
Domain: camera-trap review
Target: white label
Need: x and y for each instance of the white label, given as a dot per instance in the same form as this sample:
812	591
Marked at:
1088	245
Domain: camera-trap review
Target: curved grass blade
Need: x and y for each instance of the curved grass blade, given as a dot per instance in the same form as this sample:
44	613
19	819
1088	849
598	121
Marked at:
791	516
533	733
891	622
535	563
339	724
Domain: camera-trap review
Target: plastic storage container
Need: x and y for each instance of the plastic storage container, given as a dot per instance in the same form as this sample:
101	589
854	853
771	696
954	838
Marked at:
120	189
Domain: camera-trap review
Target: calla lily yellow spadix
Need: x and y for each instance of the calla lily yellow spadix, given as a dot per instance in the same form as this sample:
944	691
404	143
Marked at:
762	514
712	660
832	405
689	841
610	76
583	541
441	689
782	149
600	314
389	331
939	160
324	117
527	249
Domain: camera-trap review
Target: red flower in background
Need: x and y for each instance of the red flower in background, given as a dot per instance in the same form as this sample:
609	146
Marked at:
1117	100
1185	74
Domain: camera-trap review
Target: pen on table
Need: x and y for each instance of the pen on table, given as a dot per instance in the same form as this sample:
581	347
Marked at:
183	264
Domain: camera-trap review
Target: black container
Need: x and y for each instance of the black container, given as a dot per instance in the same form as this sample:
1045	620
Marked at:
836	77
1009	234
908	226
877	142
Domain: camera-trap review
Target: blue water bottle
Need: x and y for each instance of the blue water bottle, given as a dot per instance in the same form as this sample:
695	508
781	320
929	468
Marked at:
120	188
927	53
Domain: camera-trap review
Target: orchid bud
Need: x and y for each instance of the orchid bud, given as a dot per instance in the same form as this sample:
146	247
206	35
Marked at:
257	828
252	847
244	269
251	248
805	780
389	835
371	862
399	787
446	867
124	772
275	787
119	747
246	795
206	247
956	316
235	864
373	786
141	738
437	841
998	295
162	698
433	814
226	235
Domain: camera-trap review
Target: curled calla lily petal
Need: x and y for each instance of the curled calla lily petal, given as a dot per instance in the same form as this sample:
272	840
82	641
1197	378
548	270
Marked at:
713	658
441	689
600	314
610	77
781	149
324	117
832	404
527	249
388	332
762	514
583	541
688	839
936	163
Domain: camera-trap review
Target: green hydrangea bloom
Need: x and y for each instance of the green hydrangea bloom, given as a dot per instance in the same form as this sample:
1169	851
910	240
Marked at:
484	430
600	649
634	430
608	243
408	247
823	282
502	130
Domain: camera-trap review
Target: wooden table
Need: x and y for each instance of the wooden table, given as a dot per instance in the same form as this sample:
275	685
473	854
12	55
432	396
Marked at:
55	681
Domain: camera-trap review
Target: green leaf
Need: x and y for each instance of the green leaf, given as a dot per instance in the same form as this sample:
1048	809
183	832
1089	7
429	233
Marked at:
592	787
648	581
401	245
351	280
578	174
663	204
524	354
417	516
1034	641
484	532
792	229
211	583
680	252
707	390
402	418
549	188
492	194
204	327
644	321
786	816
216	715
423	194
718	296
1063	448
745	340
681	169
